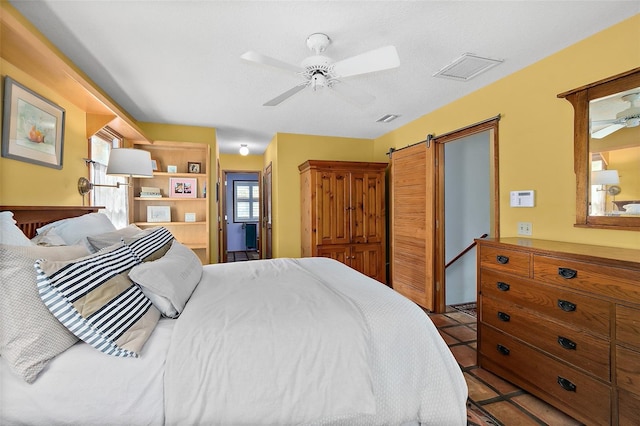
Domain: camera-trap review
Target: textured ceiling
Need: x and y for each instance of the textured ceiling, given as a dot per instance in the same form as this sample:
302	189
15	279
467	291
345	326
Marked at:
178	62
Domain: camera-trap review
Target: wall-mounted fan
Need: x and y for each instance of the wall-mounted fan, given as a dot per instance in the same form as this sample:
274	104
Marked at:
630	117
321	72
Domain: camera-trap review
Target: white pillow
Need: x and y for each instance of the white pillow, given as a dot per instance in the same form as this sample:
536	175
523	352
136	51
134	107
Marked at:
49	238
10	234
75	229
30	336
169	281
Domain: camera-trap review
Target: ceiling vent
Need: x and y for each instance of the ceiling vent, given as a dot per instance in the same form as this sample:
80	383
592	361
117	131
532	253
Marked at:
387	118
466	67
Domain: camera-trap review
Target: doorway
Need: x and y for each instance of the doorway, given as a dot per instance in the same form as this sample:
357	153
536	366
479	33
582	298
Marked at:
467	212
242	206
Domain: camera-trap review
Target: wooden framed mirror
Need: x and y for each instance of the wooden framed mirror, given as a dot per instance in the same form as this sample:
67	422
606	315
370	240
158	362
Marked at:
607	152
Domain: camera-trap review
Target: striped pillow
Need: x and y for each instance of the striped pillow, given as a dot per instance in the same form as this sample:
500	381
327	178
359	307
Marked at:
151	244
95	299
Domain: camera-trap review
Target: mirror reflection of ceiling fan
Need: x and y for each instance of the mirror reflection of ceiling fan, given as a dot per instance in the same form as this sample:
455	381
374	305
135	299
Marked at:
630	117
319	71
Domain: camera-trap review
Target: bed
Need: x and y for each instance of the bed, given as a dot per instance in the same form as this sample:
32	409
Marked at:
281	341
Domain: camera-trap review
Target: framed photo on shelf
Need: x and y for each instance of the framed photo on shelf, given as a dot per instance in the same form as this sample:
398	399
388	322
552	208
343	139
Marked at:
32	127
193	167
172	169
183	188
154	165
158	214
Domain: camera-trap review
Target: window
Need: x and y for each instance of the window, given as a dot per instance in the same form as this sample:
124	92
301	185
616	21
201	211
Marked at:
115	200
246	201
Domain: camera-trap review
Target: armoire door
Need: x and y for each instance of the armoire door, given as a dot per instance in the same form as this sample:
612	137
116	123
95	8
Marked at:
368	259
412	257
332	198
367	207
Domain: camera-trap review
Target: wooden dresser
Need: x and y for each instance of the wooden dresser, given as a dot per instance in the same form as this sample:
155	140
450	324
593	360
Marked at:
343	213
562	321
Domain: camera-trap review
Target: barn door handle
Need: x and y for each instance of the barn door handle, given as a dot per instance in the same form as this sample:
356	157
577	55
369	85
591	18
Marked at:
502	259
566	384
566	305
567	273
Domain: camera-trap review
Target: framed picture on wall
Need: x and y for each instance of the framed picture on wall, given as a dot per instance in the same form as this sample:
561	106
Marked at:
183	188
32	126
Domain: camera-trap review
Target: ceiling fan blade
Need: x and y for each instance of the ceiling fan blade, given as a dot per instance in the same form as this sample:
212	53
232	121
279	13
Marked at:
606	131
278	99
252	56
380	59
352	93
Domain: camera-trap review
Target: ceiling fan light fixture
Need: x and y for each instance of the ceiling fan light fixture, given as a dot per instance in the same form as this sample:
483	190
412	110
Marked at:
467	67
244	150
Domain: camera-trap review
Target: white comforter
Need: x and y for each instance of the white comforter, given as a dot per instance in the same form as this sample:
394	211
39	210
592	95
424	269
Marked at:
398	371
307	341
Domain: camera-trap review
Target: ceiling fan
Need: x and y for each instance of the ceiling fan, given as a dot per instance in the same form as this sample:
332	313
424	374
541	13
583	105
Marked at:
321	72
630	117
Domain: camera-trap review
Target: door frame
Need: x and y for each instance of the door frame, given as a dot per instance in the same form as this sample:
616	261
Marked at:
492	126
223	210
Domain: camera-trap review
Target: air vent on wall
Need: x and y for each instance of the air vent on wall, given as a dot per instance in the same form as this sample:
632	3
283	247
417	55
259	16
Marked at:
466	67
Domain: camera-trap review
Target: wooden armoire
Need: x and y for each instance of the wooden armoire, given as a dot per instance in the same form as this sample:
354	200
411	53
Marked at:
343	213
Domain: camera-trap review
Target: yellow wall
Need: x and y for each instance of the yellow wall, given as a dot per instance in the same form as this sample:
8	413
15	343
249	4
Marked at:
536	132
291	150
29	184
237	162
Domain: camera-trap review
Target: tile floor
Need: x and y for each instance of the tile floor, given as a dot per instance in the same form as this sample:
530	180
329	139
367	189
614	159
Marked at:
506	403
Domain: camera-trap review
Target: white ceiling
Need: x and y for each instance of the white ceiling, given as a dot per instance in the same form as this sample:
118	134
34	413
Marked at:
178	62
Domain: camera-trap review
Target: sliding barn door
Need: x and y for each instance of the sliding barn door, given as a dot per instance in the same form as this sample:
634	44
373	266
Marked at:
412	246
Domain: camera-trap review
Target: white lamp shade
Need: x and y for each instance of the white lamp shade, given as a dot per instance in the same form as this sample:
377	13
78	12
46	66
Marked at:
605	177
130	162
244	150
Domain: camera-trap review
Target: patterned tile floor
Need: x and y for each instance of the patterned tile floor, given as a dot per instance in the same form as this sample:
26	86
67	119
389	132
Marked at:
504	403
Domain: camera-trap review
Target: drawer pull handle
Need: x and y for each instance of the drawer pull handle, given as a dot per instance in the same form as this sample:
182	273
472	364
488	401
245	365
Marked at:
502	349
567	343
566	384
503	317
567	273
566	306
502	286
502	259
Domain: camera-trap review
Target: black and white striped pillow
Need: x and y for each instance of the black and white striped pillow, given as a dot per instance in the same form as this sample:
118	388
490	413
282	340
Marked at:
151	245
95	299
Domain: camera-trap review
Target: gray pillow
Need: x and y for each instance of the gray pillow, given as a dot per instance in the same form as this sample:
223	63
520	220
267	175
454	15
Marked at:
169	281
74	230
30	336
98	242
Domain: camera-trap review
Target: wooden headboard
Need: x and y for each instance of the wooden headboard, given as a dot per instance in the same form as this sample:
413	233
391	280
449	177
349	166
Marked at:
30	218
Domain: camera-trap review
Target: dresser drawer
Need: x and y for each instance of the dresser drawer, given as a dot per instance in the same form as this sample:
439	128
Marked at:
579	395
505	260
618	283
563	305
628	369
579	349
628	409
628	325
